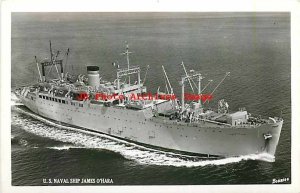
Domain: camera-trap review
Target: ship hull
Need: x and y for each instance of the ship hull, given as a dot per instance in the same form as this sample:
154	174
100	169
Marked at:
142	127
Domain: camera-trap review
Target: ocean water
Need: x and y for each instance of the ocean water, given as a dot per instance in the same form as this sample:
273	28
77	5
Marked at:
253	47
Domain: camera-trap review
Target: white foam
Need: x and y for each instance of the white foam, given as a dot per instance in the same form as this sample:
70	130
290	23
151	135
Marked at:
15	101
128	150
16	104
14	96
65	147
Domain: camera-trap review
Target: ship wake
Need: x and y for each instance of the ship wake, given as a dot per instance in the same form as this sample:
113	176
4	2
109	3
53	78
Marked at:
40	126
15	101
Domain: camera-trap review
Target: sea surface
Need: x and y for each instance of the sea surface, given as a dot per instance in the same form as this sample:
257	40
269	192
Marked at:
253	47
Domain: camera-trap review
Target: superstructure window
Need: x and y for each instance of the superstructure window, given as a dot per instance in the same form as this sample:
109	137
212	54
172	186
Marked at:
55	99
63	101
81	105
43	97
40	96
59	100
47	98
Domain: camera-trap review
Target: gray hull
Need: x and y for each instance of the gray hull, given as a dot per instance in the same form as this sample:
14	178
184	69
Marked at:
142	127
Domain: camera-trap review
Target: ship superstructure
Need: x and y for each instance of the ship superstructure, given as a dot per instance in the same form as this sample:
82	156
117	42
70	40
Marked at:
119	109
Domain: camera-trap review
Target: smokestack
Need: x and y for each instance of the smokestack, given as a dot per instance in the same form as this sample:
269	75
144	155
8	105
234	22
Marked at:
93	76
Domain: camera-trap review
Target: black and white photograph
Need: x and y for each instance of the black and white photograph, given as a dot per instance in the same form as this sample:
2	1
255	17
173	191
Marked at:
168	98
125	99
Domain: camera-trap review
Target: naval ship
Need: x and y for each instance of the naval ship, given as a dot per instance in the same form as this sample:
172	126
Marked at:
91	103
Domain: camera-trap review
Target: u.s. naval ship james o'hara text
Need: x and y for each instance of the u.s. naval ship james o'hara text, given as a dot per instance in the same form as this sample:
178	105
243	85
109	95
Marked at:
88	102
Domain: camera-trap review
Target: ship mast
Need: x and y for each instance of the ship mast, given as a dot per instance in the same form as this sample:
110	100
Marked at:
51	59
51	54
146	74
167	79
171	88
187	75
53	62
199	89
126	52
182	83
67	56
37	65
